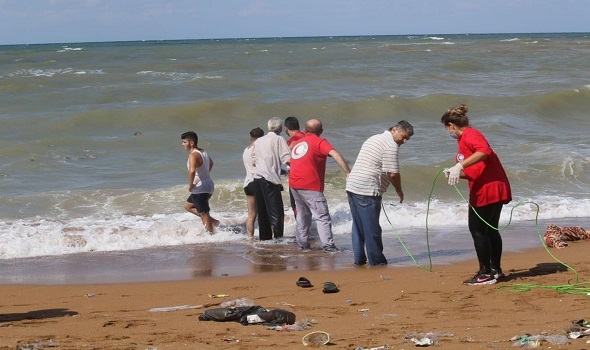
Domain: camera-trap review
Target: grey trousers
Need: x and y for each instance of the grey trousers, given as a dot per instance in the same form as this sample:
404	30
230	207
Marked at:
312	204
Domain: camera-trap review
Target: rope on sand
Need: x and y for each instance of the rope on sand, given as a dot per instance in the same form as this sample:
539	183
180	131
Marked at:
576	288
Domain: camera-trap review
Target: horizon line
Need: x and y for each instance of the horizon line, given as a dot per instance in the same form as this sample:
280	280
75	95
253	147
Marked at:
282	37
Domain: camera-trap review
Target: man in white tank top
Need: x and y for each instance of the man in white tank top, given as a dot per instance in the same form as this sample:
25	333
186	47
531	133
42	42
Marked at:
200	184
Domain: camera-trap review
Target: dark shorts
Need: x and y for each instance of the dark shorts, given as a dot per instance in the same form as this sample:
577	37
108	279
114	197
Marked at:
200	201
250	190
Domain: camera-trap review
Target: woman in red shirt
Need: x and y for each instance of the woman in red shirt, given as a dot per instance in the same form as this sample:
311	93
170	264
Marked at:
489	190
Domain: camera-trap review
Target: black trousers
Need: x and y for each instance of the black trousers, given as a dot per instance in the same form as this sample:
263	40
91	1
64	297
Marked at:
271	214
487	240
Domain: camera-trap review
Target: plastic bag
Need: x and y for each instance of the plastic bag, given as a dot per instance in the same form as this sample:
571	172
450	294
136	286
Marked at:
249	315
272	317
229	313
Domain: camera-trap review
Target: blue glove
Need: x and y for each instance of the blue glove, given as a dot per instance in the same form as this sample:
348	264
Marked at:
455	174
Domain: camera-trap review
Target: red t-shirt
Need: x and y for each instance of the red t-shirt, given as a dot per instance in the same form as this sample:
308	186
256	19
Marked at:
296	137
488	182
308	163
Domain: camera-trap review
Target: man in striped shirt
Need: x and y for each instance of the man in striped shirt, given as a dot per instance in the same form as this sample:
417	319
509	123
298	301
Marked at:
375	168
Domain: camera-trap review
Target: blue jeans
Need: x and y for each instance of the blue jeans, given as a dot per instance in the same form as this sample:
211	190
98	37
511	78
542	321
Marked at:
366	231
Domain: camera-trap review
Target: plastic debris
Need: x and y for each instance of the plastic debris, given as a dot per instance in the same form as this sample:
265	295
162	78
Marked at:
426	339
212	296
423	341
175	308
297	326
238	302
231	339
38	344
534	341
578	329
316	338
254	319
576	335
249	315
89	295
384	347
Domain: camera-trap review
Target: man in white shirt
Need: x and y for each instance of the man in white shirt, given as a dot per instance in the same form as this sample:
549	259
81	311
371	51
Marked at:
375	168
270	152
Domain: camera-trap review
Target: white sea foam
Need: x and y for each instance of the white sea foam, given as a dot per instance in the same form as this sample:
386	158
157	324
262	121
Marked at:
66	49
120	232
177	75
37	72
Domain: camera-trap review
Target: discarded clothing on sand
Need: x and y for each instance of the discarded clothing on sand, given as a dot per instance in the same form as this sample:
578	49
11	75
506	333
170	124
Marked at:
556	237
249	315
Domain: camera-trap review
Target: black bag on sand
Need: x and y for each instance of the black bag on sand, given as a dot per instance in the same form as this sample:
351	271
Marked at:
229	313
275	317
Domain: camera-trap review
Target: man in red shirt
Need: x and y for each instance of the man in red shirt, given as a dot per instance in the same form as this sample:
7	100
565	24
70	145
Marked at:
292	130
306	181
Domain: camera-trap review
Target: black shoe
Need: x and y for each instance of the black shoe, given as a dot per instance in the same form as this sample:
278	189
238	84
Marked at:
480	279
330	287
303	283
498	274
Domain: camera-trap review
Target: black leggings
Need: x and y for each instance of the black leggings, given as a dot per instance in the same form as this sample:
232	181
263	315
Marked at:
487	240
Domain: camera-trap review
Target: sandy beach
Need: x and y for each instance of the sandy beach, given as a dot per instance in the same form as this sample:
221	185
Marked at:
375	307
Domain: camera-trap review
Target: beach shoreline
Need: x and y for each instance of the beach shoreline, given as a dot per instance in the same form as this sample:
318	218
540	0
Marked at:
374	307
242	258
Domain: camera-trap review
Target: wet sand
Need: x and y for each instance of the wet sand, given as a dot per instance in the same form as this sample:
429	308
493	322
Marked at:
375	307
241	258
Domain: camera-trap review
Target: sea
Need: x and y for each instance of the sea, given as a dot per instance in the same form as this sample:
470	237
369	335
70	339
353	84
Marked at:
93	174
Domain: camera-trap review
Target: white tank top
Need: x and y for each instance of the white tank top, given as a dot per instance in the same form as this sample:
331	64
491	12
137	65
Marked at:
203	182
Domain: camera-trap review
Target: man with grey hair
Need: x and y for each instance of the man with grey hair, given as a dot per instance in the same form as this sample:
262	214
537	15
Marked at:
270	153
375	168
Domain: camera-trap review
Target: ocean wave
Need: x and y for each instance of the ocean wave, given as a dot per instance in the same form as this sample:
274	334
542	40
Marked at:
39	72
67	49
178	75
132	220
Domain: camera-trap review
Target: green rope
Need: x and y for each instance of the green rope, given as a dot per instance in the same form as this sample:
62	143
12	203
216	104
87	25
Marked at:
404	246
571	288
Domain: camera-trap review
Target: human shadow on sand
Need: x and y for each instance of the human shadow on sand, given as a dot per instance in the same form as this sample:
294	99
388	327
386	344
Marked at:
36	315
541	269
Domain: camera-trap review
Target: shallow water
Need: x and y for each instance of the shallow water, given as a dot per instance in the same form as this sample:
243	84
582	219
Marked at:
90	155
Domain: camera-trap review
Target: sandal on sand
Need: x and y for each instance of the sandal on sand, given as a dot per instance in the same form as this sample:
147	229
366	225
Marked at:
303	283
330	287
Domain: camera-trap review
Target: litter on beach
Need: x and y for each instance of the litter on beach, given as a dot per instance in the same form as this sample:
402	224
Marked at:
213	296
175	308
